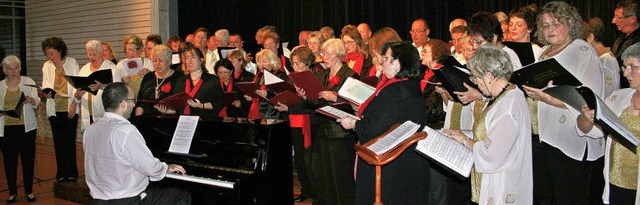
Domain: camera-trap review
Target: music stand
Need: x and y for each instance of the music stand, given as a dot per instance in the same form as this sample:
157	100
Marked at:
379	160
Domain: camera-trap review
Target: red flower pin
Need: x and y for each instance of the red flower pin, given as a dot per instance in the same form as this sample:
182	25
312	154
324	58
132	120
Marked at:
333	81
132	64
166	88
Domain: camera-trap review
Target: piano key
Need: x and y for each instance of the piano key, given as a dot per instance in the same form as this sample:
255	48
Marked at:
202	180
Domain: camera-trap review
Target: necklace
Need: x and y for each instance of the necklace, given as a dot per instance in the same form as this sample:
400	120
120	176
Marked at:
158	84
555	51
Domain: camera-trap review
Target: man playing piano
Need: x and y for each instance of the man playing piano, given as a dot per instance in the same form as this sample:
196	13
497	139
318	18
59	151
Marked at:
118	164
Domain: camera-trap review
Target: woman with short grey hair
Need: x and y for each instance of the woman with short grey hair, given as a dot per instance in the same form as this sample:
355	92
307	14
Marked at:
158	84
501	137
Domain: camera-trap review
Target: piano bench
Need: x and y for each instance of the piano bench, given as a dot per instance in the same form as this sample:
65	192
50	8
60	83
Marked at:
77	191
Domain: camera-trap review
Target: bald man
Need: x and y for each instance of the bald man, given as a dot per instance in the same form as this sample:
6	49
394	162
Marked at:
365	32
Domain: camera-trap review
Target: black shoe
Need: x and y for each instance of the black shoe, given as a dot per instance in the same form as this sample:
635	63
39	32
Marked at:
71	179
12	198
31	197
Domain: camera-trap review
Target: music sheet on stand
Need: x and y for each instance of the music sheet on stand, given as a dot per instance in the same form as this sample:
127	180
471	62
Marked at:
182	137
395	137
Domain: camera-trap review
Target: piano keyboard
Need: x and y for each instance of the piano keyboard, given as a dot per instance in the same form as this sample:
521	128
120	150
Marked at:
201	180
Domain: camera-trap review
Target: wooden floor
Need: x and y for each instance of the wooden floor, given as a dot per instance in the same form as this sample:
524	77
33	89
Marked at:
45	170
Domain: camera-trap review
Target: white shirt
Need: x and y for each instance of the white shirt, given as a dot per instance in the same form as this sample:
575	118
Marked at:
610	73
504	158
117	162
557	125
459	57
515	60
211	58
419	49
96	101
466	115
146	63
28	110
71	67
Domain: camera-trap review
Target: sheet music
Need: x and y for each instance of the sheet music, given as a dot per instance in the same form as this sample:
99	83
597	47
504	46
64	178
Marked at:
447	151
175	59
132	66
356	90
394	138
182	137
336	112
270	78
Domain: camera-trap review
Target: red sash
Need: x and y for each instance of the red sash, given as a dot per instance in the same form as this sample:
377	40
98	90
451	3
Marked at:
223	112
283	63
237	75
359	61
254	109
381	86
372	71
302	121
192	93
427	75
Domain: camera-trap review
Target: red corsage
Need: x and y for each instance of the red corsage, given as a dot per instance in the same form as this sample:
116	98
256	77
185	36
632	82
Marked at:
132	64
333	81
166	88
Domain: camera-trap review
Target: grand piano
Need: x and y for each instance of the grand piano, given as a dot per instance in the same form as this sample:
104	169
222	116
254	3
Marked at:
228	163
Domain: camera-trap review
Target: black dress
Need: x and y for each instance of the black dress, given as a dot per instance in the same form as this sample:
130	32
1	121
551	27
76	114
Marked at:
148	88
406	179
209	92
333	152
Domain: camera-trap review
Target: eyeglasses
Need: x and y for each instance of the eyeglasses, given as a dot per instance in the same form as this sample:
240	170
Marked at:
417	30
619	18
384	58
327	54
633	68
473	78
349	42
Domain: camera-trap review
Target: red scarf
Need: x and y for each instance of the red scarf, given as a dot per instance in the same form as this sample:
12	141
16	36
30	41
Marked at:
192	93
283	63
302	121
237	75
223	112
381	86
427	75
372	71
254	110
358	58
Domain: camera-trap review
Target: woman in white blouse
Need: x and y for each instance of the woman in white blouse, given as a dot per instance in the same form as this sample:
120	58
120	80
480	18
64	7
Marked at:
501	140
565	163
133	46
62	110
18	133
621	164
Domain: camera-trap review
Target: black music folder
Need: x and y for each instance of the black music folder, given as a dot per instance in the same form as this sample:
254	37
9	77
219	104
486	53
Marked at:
524	50
83	82
15	112
608	121
224	51
452	79
539	74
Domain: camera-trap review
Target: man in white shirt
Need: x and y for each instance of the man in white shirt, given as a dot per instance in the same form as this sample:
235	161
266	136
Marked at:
118	164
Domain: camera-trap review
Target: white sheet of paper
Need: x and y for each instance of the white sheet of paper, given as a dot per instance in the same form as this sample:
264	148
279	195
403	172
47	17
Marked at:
270	78
182	137
175	59
395	137
446	151
132	66
356	90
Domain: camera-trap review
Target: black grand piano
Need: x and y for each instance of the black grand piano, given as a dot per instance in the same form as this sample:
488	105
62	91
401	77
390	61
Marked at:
228	163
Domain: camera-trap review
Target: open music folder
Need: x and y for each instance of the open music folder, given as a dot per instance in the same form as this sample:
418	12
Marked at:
539	74
47	91
308	82
608	121
446	151
452	79
15	112
355	91
338	110
174	102
82	82
275	84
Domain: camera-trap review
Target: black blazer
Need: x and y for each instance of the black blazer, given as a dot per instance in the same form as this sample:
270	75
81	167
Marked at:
209	92
148	92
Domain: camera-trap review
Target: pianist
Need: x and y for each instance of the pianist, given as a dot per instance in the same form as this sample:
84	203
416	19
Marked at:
118	164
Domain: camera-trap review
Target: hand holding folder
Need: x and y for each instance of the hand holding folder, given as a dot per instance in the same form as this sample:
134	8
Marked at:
83	82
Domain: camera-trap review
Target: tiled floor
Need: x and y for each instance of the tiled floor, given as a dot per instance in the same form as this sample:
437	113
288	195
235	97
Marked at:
45	167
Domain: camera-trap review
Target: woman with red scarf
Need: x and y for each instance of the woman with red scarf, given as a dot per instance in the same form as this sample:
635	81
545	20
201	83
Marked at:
225	69
406	179
357	57
203	87
302	120
332	148
239	64
267	60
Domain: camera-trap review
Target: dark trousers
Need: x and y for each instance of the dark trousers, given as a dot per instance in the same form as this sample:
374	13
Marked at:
332	172
559	179
152	196
64	141
619	195
16	142
302	160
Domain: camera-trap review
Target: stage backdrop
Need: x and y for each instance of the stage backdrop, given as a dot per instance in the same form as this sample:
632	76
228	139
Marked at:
292	16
